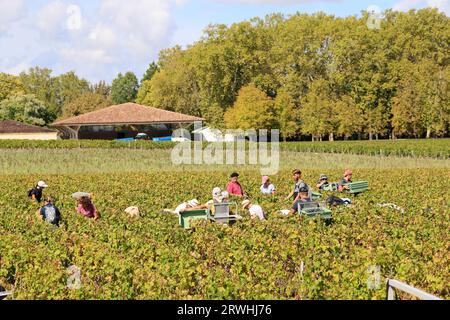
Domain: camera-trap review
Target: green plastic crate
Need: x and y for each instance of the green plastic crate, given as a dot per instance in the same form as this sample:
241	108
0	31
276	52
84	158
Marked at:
315	209
315	196
358	187
185	218
331	187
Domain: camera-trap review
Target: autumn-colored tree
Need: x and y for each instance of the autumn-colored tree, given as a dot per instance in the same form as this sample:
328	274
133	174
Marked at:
253	110
288	115
85	103
9	86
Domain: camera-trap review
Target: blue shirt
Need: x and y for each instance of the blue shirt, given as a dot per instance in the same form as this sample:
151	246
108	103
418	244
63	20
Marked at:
51	214
269	190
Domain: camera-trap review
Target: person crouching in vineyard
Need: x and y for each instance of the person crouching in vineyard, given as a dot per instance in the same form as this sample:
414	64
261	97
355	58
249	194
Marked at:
256	212
304	197
189	206
87	208
343	185
49	212
35	194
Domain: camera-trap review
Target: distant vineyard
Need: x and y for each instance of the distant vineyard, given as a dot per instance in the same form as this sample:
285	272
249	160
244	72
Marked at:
436	148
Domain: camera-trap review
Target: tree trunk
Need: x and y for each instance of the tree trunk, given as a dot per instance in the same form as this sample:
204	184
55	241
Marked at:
331	137
428	133
370	136
376	136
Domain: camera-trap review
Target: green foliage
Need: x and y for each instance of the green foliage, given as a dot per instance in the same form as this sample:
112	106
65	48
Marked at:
152	69
124	88
9	86
85	103
153	258
25	108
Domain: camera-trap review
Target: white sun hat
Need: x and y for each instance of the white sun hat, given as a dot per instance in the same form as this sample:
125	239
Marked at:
217	192
245	204
193	203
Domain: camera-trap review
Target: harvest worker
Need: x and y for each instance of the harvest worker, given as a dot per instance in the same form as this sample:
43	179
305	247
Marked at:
343	185
256	212
299	183
49	212
304	197
189	206
35	194
323	182
87	208
234	188
267	187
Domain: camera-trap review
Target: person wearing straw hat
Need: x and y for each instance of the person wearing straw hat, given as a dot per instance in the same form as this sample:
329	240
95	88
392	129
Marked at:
188	206
267	187
254	210
343	185
35	194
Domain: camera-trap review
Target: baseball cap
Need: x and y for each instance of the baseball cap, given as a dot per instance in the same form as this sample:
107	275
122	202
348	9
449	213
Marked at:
303	190
348	173
42	184
234	175
245	204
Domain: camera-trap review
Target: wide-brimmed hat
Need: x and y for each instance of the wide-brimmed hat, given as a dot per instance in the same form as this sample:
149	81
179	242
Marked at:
216	192
245	204
193	203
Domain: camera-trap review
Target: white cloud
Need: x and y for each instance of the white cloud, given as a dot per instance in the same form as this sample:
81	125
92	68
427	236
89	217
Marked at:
405	5
273	2
10	11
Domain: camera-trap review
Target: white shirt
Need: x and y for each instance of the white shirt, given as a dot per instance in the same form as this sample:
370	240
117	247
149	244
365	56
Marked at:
182	207
256	211
269	190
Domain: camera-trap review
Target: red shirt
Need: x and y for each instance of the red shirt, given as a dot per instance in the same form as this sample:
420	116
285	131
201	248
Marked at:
235	189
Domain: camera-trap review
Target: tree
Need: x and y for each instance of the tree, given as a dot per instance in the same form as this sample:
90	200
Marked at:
9	86
253	110
66	88
124	88
25	108
143	95
148	75
288	115
39	82
86	103
101	88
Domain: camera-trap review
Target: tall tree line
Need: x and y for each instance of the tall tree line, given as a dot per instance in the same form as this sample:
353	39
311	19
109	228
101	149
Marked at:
314	76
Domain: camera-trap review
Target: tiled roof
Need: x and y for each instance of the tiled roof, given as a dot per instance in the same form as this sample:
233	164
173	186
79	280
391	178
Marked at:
10	126
127	113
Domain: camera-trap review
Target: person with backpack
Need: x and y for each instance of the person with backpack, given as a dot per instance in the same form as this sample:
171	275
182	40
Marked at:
49	212
35	194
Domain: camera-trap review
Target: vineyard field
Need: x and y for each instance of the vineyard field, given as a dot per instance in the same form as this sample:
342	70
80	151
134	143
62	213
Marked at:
153	258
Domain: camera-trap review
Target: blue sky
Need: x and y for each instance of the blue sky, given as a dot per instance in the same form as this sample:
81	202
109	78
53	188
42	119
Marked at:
99	38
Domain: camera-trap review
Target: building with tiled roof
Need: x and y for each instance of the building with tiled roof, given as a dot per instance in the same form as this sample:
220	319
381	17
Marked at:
14	130
124	121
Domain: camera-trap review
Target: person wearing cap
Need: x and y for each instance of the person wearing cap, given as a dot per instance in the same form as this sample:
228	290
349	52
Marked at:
304	197
35	194
299	183
323	182
267	187
189	206
343	185
49	212
256	212
234	188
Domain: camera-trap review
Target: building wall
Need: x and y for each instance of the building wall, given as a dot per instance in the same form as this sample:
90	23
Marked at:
29	136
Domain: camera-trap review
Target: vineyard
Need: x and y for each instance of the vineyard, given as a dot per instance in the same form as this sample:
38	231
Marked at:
153	258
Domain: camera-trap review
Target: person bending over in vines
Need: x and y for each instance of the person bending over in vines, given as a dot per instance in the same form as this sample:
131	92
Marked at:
87	209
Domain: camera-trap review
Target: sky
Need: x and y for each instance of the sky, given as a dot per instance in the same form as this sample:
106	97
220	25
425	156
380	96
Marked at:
100	38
